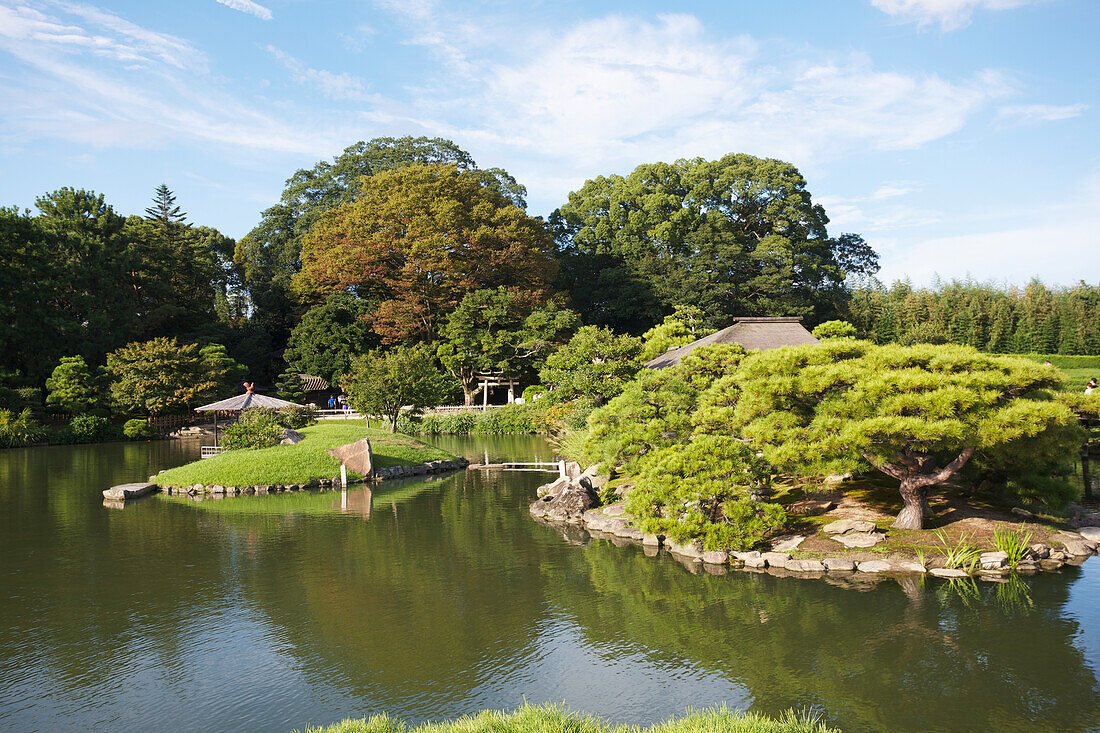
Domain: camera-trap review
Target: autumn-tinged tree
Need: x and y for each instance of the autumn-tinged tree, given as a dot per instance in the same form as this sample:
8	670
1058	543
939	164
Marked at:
269	256
416	240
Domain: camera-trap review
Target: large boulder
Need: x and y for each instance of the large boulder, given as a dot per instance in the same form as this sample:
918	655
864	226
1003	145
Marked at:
569	505
356	456
291	437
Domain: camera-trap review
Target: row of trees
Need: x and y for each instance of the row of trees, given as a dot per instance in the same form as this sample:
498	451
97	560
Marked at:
407	242
1007	320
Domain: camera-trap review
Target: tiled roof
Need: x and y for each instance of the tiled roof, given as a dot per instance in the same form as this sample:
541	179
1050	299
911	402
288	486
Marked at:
751	332
311	383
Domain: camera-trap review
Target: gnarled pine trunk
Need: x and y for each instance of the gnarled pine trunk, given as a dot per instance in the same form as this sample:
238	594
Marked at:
912	514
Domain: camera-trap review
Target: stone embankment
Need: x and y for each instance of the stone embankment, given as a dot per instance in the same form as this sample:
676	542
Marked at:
378	474
570	503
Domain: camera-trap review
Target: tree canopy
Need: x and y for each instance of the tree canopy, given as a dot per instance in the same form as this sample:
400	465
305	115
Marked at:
918	414
270	254
419	238
496	330
382	383
329	336
735	236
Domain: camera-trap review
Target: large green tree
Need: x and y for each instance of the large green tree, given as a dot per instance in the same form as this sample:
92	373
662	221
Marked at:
497	330
419	238
270	255
156	376
735	236
74	386
385	382
593	367
330	335
918	414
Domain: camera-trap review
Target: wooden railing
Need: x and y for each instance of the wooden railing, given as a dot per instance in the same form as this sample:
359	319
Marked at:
207	451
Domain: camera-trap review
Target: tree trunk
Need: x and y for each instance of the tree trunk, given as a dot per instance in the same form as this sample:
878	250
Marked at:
393	420
912	514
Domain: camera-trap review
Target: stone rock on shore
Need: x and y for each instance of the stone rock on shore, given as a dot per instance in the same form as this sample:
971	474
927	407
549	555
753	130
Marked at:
844	526
356	456
568	505
860	539
1090	533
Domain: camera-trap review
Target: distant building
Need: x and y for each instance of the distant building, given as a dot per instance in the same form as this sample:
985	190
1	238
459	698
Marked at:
751	332
316	390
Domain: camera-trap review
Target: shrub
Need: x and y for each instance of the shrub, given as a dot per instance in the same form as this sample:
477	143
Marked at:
296	417
29	397
17	429
503	420
256	427
507	420
90	429
138	429
704	490
835	329
530	394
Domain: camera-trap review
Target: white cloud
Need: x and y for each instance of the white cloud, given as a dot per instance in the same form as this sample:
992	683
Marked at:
950	14
616	91
1031	113
247	6
108	36
332	85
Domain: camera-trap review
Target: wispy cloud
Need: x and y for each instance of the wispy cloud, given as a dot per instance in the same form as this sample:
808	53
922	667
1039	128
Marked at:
950	14
247	6
339	86
618	90
92	77
1031	113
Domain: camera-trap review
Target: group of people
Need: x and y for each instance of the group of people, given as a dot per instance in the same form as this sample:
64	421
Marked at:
341	402
1090	386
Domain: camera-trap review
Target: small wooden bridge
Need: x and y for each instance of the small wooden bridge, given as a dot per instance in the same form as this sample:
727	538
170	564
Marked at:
544	466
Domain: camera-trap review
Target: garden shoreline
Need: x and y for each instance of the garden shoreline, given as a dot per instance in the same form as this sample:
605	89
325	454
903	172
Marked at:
566	504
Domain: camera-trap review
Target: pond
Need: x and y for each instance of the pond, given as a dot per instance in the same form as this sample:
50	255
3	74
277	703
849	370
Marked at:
431	599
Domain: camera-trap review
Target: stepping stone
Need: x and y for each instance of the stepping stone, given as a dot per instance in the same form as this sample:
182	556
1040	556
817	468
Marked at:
843	526
949	573
861	539
786	543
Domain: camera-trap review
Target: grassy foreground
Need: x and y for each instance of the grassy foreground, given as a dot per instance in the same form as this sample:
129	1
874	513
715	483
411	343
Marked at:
556	719
293	464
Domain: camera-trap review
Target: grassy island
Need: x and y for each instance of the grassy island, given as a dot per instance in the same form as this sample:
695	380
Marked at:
289	464
556	719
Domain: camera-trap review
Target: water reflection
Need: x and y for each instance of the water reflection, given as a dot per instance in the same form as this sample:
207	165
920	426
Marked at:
432	598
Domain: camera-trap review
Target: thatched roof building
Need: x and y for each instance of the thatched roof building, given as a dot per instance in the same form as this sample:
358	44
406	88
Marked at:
751	332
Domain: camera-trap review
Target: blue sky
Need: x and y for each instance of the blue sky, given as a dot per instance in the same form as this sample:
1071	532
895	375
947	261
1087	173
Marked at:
959	137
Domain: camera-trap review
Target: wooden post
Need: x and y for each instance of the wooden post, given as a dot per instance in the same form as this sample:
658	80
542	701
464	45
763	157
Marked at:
344	476
561	469
1086	474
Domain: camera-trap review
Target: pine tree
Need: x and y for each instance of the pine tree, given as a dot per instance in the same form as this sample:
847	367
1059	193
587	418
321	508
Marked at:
164	211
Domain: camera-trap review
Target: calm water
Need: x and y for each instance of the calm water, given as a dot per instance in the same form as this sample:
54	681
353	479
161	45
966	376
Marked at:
433	599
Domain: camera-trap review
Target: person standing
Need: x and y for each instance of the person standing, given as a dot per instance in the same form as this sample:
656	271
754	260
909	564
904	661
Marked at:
1090	386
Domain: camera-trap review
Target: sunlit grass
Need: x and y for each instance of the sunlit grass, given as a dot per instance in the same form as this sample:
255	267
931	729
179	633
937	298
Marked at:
292	464
557	719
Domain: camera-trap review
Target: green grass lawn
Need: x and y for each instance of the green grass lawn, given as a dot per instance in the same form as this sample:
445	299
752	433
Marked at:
295	464
1078	369
556	719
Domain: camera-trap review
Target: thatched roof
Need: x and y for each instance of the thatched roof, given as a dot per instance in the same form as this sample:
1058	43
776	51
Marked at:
244	401
751	332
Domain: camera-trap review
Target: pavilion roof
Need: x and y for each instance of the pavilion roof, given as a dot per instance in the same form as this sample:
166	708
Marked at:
244	401
753	332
